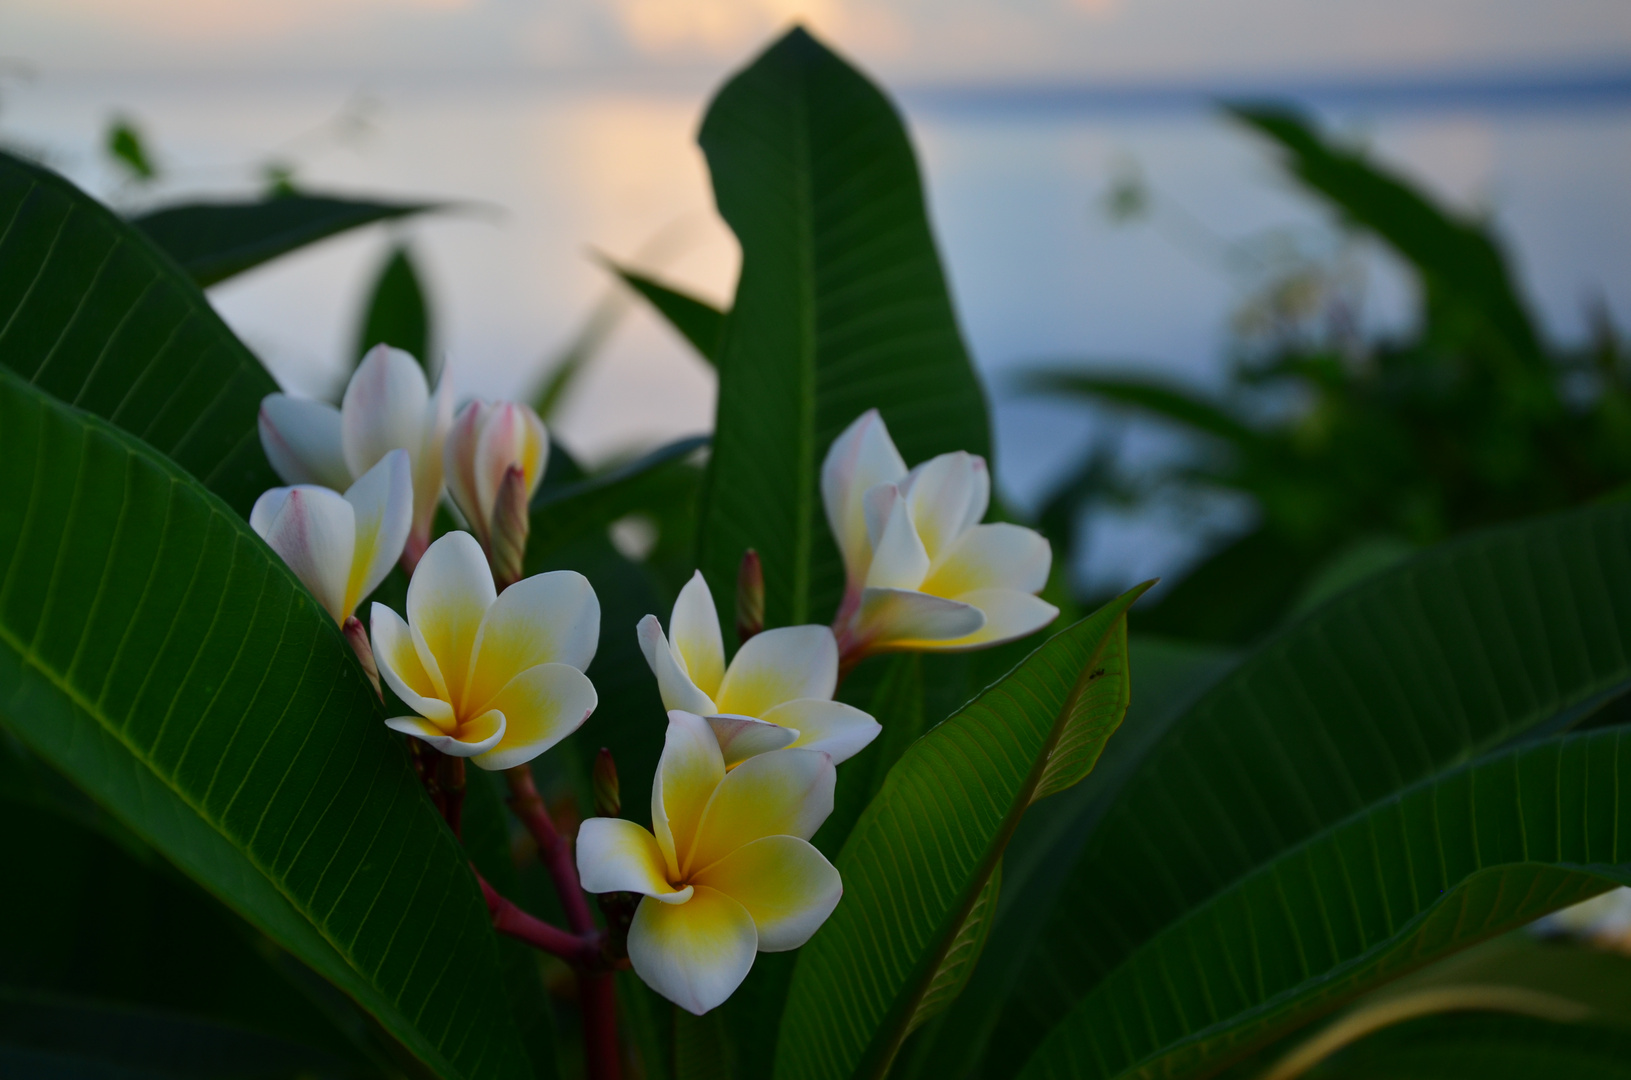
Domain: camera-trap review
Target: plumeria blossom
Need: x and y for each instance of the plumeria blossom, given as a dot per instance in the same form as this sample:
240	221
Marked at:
729	872
923	573
497	678
387	406
776	692
487	439
340	546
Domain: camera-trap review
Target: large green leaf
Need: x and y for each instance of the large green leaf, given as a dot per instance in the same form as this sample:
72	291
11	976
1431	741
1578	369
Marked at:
93	313
156	652
1489	1046
1413	671
917	866
1421	873
212	241
841	306
698	321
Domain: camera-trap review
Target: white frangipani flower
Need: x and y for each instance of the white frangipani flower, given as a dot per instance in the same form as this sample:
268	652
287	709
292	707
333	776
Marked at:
497	678
387	406
486	440
340	546
729	872
777	691
923	573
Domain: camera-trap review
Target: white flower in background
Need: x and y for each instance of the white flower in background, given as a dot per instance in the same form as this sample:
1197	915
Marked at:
487	439
729	872
387	406
340	546
497	678
777	690
923	573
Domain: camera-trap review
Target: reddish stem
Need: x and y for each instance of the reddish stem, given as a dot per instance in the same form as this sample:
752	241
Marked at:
452	784
511	920
553	850
598	994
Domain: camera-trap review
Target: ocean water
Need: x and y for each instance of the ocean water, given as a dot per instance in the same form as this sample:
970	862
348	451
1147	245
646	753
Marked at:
543	177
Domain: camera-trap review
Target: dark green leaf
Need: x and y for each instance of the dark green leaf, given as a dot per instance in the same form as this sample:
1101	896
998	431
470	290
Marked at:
1423	667
1164	400
212	241
918	862
92	313
841	306
397	313
126	146
561	513
1489	1046
698	321
1417	875
156	652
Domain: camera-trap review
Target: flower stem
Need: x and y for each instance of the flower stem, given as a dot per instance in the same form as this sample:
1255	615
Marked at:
510	920
452	784
358	639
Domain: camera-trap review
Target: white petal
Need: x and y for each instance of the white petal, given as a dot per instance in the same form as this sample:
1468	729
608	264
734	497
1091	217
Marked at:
551	618
265	509
399	665
510	434
899	559
1009	614
858	460
385	408
787	886
382	500
687	774
995	556
428	461
782	793
475	737
694	954
693	630
839	730
677	690
742	737
459	466
939	495
541	706
615	855
876	505
889	615
302	441
780	665
314	532
451	590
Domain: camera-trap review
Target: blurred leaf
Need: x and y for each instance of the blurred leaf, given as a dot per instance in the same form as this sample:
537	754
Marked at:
212	241
1365	557
126	146
1459	262
841	306
561	513
701	1046
398	314
698	321
1162	400
1466	647
1236	594
92	313
918	861
1489	1046
156	652
1417	874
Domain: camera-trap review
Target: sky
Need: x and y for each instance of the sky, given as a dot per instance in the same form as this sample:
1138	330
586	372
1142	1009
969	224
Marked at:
932	41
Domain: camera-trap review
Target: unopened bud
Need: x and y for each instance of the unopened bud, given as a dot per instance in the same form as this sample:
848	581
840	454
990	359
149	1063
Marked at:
509	529
750	596
607	801
358	637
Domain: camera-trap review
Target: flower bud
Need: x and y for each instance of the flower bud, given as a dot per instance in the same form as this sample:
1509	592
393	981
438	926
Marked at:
607	801
358	638
486	441
507	543
750	596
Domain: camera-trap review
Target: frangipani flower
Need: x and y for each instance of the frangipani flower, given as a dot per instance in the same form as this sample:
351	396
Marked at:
730	871
487	439
776	692
340	546
922	572
497	678
387	406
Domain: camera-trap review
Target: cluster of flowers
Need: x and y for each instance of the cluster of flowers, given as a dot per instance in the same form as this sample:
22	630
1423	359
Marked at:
493	665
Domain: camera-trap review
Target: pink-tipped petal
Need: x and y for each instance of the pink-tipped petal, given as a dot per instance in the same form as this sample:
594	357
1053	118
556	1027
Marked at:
899	560
302	441
314	532
384	408
859	459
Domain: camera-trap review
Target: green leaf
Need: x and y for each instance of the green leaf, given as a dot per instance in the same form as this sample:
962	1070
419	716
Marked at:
92	313
1452	654
841	306
698	321
918	862
1164	400
950	978
156	652
562	513
1423	872
398	314
1489	1046
212	241
126	146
